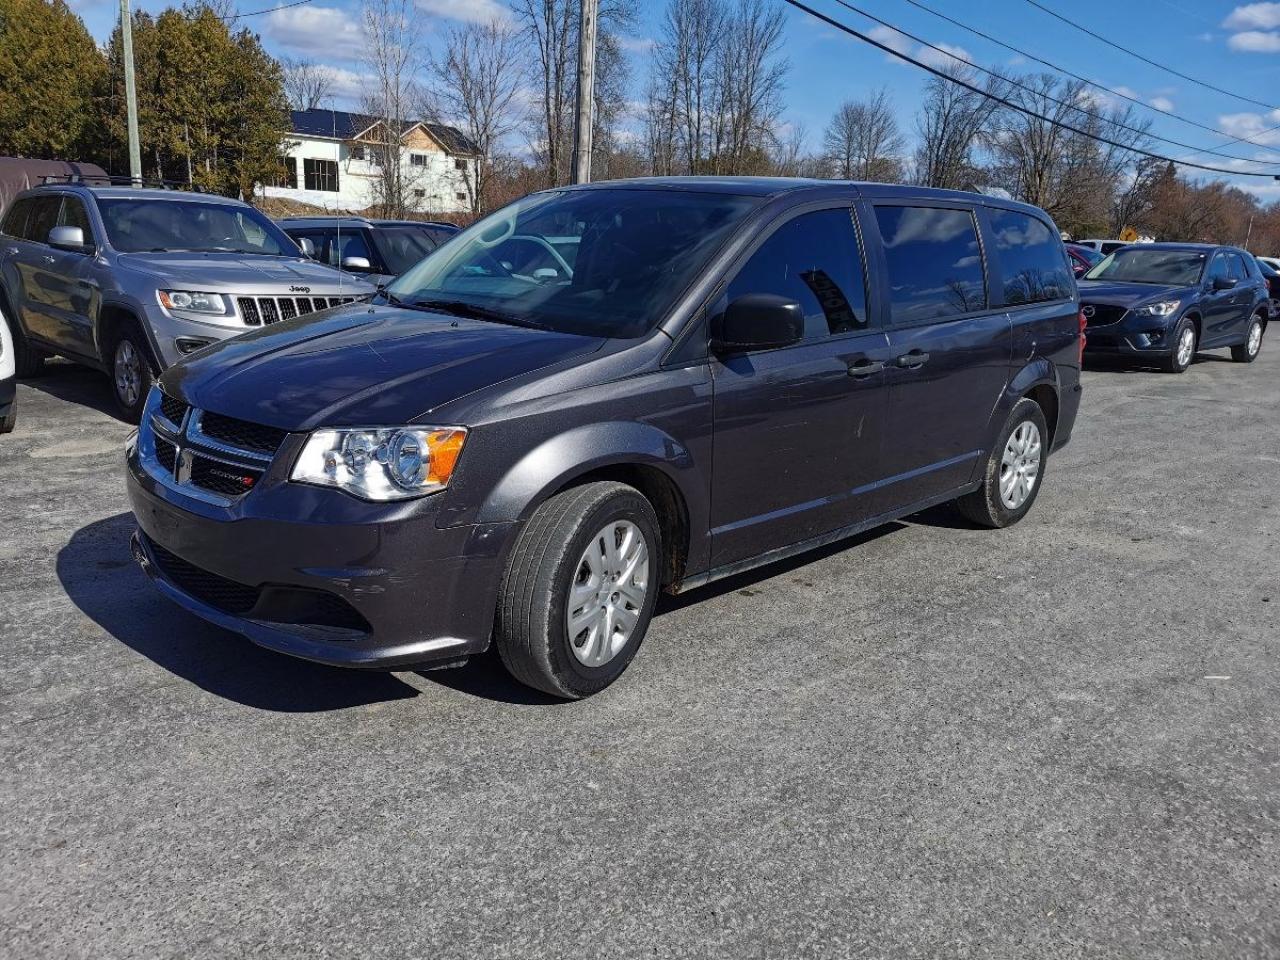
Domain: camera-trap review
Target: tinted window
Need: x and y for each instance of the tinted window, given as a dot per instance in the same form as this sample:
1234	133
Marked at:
814	260
1031	261
1217	267
43	218
638	250
1236	269
74	215
934	261
345	244
15	221
155	225
402	247
1144	264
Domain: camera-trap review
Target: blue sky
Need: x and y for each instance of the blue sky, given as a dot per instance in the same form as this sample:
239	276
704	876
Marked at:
1231	45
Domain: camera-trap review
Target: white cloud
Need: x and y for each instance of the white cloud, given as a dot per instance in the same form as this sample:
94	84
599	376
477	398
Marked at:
344	84
891	38
1251	126
935	58
473	11
1162	103
316	31
1254	41
1254	16
637	44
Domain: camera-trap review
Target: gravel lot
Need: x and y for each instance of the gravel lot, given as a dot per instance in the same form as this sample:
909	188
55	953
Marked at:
1060	739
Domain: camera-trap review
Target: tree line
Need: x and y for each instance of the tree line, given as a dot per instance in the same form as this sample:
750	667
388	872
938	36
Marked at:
213	105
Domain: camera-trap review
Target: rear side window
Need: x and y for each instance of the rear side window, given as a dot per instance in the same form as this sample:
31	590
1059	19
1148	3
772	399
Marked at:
814	260
1236	268
934	262
1031	262
15	221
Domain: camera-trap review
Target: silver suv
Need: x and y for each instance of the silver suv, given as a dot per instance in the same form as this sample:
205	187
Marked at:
129	280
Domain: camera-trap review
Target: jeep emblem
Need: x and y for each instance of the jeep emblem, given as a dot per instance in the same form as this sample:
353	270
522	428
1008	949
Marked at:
299	289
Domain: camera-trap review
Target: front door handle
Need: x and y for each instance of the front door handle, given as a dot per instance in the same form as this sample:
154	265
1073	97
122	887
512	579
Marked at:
48	259
865	368
916	358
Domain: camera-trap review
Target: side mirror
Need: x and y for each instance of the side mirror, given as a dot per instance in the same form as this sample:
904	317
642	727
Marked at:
757	321
1224	283
307	247
356	263
68	238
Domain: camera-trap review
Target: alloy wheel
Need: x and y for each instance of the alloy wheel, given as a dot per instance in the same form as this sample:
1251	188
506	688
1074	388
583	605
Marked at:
1255	338
128	373
1020	465
1186	347
607	593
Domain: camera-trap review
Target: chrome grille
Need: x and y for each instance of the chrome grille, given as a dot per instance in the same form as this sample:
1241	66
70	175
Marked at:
258	311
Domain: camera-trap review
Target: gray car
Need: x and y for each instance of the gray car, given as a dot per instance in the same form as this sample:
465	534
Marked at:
130	280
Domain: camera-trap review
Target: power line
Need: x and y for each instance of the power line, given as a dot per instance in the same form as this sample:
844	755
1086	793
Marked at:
1097	86
1159	66
258	13
1013	106
1040	93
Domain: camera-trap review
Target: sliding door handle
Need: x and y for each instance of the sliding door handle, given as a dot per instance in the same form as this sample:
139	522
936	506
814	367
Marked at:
916	358
865	368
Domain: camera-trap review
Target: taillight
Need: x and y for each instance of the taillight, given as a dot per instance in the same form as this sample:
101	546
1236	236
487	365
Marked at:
1083	339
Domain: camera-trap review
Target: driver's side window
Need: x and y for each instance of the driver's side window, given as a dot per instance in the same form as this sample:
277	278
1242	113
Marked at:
815	260
1217	268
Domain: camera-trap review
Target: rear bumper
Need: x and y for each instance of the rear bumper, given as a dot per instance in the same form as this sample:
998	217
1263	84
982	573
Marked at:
385	590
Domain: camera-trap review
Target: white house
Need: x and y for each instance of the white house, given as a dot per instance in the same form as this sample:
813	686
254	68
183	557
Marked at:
334	161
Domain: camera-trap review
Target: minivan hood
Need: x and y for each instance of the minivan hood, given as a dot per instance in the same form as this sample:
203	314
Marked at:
362	366
1121	294
240	272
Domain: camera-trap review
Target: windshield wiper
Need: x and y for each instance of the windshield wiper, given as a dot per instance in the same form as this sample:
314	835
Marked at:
460	308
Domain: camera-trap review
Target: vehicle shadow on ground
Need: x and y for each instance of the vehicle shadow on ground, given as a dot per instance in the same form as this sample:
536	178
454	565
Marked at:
1123	365
76	384
101	578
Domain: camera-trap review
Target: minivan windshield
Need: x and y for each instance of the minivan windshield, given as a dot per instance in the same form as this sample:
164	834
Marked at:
1138	265
158	225
605	262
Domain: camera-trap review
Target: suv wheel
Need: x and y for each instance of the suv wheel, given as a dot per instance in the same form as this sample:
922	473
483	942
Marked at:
1014	470
580	589
1248	351
1184	347
28	360
131	372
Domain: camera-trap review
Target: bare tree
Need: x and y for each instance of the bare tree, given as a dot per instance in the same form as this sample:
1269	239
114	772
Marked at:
661	120
306	83
749	76
692	31
863	142
476	82
391	37
950	125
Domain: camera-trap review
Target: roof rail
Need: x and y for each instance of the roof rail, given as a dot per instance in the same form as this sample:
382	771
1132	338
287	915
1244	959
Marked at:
90	179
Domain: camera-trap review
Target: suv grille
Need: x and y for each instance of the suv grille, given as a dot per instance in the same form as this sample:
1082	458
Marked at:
219	592
242	433
172	410
1103	314
257	311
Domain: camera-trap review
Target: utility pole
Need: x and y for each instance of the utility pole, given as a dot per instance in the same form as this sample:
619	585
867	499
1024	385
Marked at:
586	91
130	94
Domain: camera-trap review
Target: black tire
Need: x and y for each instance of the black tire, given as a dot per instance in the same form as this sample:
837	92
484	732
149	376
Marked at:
530	631
1246	352
130	389
985	506
28	360
1171	363
10	420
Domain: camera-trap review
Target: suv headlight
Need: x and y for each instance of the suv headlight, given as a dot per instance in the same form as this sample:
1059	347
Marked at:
381	463
1161	309
212	306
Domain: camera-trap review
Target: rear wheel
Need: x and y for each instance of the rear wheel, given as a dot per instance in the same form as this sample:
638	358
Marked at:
1013	472
580	589
1184	342
1248	351
132	371
10	420
28	359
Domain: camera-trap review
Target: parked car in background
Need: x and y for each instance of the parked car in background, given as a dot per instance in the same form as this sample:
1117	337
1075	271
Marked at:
129	280
379	249
1083	259
8	380
1272	277
1272	262
1163	302
1104	247
491	455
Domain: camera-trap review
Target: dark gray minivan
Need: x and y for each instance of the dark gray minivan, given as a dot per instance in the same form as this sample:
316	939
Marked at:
706	376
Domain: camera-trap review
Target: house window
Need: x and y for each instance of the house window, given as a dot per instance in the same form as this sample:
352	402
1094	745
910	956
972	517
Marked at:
459	163
460	195
320	174
288	175
357	152
418	159
420	194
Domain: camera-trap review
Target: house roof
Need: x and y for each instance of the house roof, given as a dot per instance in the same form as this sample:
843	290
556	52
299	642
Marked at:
339	125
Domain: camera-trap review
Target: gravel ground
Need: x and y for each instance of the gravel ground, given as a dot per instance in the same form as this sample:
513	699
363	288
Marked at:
1050	741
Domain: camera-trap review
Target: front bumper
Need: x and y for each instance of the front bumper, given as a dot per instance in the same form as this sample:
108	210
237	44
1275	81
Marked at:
1131	336
405	591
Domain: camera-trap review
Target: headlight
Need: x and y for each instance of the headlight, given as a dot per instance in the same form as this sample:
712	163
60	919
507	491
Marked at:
189	301
1162	309
381	463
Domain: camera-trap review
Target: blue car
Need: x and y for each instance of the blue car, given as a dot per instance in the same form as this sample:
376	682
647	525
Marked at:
1163	302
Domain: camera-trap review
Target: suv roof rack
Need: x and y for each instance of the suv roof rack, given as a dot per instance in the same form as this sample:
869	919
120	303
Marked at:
90	179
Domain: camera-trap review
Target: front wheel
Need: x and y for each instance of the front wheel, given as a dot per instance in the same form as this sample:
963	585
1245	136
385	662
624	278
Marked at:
1184	347
131	372
1248	351
579	589
1013	472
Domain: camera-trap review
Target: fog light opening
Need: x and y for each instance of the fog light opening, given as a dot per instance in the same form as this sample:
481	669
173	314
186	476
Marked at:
188	345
